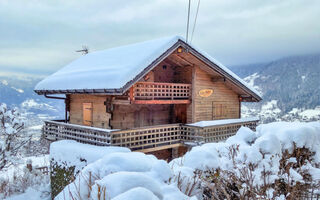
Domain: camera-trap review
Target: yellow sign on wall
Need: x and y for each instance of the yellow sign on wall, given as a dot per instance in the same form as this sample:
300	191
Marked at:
205	92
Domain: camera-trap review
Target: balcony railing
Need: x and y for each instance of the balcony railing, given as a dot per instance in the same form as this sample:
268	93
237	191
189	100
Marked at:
153	93
214	133
56	130
145	139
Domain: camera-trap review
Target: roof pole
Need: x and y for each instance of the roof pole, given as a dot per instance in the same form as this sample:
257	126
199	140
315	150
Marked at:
188	22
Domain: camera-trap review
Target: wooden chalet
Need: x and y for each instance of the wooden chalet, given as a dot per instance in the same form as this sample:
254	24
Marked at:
156	97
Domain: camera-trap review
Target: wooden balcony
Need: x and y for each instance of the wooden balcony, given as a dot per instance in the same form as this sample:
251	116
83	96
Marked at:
145	139
160	93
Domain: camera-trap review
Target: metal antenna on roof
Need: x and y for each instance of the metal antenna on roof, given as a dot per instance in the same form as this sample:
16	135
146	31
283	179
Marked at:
188	21
84	50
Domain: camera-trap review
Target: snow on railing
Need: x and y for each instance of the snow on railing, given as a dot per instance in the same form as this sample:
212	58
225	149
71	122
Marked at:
215	130
84	134
151	136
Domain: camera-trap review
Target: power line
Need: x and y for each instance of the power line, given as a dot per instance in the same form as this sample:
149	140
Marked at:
188	21
195	21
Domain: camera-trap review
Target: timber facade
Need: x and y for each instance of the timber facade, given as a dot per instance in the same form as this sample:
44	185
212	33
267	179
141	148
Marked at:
155	112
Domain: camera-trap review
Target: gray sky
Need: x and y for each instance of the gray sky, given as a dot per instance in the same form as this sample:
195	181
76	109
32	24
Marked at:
41	36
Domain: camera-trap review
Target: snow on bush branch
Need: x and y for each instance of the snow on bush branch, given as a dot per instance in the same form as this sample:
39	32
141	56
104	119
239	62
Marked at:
278	161
11	126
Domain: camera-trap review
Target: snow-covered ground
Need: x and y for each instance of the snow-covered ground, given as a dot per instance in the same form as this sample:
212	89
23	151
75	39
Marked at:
37	161
40	190
30	194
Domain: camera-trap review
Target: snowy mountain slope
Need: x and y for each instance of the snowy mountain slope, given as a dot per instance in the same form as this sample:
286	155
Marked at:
293	82
17	91
291	85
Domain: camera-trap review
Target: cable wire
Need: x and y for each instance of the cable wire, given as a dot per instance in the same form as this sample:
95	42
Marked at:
195	21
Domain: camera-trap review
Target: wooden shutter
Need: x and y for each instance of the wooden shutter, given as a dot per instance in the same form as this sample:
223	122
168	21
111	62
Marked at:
87	114
219	110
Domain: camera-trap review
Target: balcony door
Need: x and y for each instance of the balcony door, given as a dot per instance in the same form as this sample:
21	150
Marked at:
142	117
180	113
87	114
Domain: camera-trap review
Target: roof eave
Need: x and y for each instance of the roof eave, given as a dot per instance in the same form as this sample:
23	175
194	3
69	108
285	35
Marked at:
81	91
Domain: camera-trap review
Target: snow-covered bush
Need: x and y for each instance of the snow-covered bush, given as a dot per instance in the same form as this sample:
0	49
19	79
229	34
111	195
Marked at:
278	161
23	179
11	126
68	158
122	175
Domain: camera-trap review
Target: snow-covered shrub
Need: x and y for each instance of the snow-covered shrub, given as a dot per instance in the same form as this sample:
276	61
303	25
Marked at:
121	176
68	158
280	160
23	179
11	139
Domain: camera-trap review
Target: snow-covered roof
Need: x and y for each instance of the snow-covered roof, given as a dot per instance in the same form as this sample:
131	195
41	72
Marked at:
112	70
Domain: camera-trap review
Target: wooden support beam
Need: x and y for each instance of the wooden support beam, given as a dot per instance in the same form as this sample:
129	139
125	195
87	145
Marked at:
131	94
180	59
149	150
218	79
182	101
121	102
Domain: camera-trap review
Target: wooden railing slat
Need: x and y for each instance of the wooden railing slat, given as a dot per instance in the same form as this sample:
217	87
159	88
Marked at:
144	137
159	91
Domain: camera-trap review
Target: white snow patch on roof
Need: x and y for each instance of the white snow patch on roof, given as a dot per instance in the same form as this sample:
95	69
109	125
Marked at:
270	107
222	122
294	111
107	69
309	113
113	68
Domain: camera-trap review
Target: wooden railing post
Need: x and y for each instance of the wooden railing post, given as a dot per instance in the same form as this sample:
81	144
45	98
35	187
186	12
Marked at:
131	94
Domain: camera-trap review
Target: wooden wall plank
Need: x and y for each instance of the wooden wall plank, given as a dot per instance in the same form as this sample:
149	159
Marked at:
100	118
222	98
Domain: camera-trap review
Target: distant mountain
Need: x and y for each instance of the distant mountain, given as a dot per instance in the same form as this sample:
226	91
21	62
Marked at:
246	70
289	85
17	91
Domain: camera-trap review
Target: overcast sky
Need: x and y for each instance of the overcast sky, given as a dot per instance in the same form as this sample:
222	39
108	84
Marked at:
41	36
